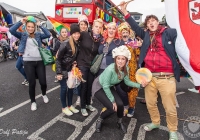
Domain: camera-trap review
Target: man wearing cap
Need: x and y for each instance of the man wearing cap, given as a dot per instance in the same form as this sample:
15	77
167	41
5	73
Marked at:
158	53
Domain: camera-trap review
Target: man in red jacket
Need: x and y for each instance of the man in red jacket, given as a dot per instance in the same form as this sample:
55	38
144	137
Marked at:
158	53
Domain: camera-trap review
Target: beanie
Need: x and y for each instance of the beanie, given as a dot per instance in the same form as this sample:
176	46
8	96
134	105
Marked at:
74	28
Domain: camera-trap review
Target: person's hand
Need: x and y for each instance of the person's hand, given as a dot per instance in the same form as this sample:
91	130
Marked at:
74	64
16	47
123	6
20	54
144	83
38	23
139	42
24	20
59	77
115	107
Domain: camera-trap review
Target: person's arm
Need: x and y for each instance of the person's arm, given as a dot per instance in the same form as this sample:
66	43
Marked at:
106	85
128	82
134	26
13	30
62	50
45	34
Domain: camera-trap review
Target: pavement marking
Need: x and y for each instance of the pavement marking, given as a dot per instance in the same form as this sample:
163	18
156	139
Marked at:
178	93
142	132
25	102
78	126
190	79
130	129
140	98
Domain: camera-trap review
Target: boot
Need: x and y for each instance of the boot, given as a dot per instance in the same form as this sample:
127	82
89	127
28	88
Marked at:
99	124
121	126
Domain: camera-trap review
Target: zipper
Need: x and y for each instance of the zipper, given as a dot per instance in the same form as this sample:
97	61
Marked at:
92	49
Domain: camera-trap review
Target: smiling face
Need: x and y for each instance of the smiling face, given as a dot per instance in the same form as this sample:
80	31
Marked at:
125	35
63	33
30	27
121	61
97	27
76	36
111	31
83	26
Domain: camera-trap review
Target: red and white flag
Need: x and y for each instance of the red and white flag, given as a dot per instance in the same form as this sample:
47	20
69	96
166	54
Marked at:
184	15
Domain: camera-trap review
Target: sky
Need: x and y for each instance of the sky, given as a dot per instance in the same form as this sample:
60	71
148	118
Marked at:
145	7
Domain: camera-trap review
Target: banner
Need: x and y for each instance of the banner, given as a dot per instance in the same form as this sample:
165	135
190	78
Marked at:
184	16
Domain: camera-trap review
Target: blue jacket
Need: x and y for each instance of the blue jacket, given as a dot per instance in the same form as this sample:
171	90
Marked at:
113	45
168	41
22	36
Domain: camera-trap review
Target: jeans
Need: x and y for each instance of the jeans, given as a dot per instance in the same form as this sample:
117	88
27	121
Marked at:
102	97
65	91
33	68
86	87
19	66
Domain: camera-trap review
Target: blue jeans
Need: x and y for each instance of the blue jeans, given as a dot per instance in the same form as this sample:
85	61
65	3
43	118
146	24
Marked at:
65	91
19	66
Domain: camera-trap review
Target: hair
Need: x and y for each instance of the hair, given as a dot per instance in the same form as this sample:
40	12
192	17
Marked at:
105	35
32	35
98	20
148	18
123	70
71	43
54	34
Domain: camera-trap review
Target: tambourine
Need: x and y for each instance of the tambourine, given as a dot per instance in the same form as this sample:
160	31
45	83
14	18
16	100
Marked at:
143	74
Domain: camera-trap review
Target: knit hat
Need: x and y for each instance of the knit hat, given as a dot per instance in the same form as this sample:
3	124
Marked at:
83	18
121	50
74	28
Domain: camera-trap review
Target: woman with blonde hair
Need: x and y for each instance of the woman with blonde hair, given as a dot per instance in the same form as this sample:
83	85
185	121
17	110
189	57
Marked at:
66	59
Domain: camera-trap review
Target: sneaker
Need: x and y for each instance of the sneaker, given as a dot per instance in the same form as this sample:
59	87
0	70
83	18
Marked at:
151	126
24	82
45	98
131	112
91	108
193	90
33	106
27	83
173	136
73	109
84	112
67	112
78	101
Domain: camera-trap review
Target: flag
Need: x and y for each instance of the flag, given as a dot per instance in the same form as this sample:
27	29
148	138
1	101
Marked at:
59	25
2	19
184	16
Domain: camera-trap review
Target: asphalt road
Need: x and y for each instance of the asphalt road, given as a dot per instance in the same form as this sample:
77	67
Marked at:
18	122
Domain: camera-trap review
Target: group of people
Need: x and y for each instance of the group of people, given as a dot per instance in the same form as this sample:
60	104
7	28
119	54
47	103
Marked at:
125	48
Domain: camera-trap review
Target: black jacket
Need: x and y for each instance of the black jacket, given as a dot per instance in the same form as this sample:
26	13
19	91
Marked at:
88	49
168	41
65	58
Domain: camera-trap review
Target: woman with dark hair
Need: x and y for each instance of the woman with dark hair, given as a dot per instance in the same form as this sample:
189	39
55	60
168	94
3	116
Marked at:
103	86
83	23
30	40
65	60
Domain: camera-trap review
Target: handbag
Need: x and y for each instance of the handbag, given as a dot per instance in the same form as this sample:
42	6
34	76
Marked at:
46	55
72	81
96	64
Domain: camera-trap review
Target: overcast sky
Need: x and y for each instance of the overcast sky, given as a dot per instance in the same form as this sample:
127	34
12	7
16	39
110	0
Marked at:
145	7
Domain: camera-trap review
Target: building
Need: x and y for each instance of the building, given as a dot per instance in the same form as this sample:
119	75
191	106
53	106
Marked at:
13	14
137	17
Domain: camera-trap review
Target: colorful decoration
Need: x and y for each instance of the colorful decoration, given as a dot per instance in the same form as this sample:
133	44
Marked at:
2	19
58	25
59	12
87	11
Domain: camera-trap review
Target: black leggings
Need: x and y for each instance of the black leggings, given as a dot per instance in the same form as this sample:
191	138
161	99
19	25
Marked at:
35	69
101	96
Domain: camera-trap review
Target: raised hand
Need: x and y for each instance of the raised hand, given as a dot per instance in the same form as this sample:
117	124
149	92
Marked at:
123	6
24	20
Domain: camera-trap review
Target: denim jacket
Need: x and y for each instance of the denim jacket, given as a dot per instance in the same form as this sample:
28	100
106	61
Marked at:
23	36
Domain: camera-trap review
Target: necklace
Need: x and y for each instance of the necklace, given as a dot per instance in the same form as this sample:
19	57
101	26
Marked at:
151	40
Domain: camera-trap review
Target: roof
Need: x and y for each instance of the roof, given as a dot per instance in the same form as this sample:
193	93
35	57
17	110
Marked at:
135	13
12	9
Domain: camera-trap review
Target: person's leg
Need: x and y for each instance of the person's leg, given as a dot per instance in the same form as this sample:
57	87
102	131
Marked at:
41	73
132	101
63	92
151	95
30	68
123	95
70	94
167	89
19	66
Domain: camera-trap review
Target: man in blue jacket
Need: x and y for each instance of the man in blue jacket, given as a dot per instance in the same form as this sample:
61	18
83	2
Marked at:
158	53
